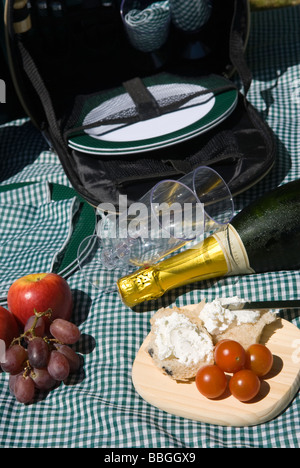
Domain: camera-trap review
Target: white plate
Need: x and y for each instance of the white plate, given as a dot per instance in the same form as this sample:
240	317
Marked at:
199	115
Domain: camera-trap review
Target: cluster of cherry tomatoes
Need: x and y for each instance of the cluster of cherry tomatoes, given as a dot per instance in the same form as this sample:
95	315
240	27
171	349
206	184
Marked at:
246	366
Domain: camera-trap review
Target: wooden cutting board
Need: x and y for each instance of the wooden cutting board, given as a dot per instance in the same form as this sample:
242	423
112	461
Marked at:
183	399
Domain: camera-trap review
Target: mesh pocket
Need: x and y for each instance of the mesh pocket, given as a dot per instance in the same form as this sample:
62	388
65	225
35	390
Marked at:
139	100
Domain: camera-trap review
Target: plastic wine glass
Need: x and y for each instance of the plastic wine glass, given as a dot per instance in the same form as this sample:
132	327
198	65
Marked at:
190	17
171	215
146	23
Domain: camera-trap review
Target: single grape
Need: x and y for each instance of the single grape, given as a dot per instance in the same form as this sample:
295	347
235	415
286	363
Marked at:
38	353
42	379
58	366
14	359
73	358
39	328
24	389
64	331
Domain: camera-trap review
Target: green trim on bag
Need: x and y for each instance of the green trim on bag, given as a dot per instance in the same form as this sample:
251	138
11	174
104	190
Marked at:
84	220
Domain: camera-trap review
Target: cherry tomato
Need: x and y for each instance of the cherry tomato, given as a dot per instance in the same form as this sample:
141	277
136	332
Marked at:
244	385
230	356
259	359
211	381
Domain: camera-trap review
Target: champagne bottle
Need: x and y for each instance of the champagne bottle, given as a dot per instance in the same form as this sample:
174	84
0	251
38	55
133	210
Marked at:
264	236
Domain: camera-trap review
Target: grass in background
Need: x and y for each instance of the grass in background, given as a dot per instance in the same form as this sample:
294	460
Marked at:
263	4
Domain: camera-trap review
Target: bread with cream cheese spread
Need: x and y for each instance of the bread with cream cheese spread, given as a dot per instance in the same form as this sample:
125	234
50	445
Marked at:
245	333
171	365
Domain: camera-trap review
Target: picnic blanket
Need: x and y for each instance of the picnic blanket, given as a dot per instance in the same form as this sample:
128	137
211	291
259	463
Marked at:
100	407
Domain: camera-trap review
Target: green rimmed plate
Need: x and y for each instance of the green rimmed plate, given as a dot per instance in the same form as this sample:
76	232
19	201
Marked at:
199	115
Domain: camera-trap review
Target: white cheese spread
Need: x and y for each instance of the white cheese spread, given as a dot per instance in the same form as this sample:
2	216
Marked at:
177	336
217	318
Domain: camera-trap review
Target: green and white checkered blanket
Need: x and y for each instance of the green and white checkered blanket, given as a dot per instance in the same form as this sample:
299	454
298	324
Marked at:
101	408
34	230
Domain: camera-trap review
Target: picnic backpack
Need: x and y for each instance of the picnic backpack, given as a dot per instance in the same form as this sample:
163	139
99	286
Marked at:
75	70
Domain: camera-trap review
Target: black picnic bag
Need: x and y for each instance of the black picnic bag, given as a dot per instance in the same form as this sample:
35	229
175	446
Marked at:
64	59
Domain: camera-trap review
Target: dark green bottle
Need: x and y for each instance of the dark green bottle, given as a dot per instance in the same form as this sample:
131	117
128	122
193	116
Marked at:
270	229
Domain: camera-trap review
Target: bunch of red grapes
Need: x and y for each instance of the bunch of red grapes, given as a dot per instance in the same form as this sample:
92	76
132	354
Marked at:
41	357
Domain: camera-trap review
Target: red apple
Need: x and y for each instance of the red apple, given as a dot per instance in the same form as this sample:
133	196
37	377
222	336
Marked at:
40	291
9	328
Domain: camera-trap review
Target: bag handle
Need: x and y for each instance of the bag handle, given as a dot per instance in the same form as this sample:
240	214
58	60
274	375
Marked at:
237	44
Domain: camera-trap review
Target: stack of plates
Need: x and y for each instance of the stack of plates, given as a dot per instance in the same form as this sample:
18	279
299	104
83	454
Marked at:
191	119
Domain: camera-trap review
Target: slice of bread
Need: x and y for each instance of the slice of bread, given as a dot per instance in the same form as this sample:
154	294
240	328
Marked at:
245	333
171	364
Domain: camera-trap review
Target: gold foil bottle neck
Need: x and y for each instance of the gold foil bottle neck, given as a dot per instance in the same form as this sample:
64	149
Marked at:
139	286
206	260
